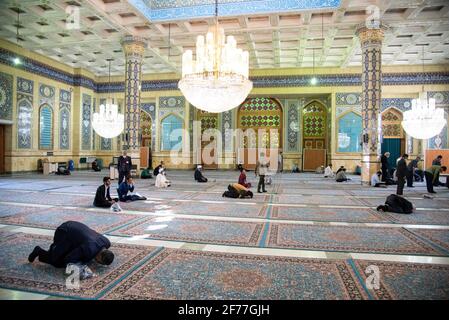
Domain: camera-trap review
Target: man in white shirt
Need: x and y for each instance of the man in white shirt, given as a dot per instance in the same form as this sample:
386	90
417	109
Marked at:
328	172
376	181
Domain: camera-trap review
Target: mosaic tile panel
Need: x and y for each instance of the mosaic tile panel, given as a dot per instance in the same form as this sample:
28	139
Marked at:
6	96
64	127
293	129
24	121
226	129
25	86
86	127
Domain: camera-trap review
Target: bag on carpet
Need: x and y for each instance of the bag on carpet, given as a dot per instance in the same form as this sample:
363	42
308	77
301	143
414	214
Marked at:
116	207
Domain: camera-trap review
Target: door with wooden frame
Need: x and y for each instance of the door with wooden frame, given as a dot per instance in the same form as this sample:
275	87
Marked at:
393	137
314	135
256	114
146	129
209	154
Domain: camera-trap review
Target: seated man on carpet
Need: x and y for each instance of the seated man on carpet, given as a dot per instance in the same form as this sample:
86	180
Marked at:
198	175
236	190
146	174
161	180
397	204
75	243
103	197
242	179
328	172
157	169
341	175
376	180
95	166
128	186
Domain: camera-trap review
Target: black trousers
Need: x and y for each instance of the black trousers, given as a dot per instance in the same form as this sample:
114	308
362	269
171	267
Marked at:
261	183
429	181
400	187
385	175
122	175
410	178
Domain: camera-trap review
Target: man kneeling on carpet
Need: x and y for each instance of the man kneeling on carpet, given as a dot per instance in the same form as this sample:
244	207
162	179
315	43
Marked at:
397	204
128	186
75	243
236	190
198	175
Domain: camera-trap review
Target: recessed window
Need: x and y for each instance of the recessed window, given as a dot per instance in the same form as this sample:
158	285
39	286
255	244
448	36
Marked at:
41	37
435	35
17	10
405	36
45	7
86	33
64	35
127	15
140	28
355	13
97	52
110	30
73	3
432	9
396	11
93	18
42	23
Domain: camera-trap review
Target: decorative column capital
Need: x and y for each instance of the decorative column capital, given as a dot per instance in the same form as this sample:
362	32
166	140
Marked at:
371	35
133	45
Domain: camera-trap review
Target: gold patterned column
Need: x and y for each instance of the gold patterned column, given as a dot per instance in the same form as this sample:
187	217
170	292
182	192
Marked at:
134	48
371	43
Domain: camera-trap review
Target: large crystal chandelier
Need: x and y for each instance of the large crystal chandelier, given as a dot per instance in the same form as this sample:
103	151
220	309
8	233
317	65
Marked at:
423	121
217	80
108	123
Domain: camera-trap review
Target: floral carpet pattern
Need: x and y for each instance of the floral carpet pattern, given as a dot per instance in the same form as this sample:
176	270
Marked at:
17	273
178	274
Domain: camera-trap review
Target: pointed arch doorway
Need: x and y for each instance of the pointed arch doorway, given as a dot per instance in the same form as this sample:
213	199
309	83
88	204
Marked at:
209	125
393	137
314	135
256	114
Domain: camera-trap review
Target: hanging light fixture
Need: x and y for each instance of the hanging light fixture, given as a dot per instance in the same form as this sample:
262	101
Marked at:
108	123
423	121
17	60
218	80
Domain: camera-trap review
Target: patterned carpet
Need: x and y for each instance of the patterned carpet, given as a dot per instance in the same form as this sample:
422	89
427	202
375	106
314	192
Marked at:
408	281
195	230
180	274
360	239
327	214
52	218
17	273
230	248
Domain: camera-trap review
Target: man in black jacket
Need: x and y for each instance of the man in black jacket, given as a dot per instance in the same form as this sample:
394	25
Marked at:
397	204
124	167
401	173
412	166
74	242
384	167
103	197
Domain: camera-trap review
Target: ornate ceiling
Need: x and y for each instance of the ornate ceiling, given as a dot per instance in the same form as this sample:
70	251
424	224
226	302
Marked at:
284	39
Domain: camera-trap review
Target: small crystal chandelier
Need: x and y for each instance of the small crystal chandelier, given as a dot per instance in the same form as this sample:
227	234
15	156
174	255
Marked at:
108	123
218	80
423	121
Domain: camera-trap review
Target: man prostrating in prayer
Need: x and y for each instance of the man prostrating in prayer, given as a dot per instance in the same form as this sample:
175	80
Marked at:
74	243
